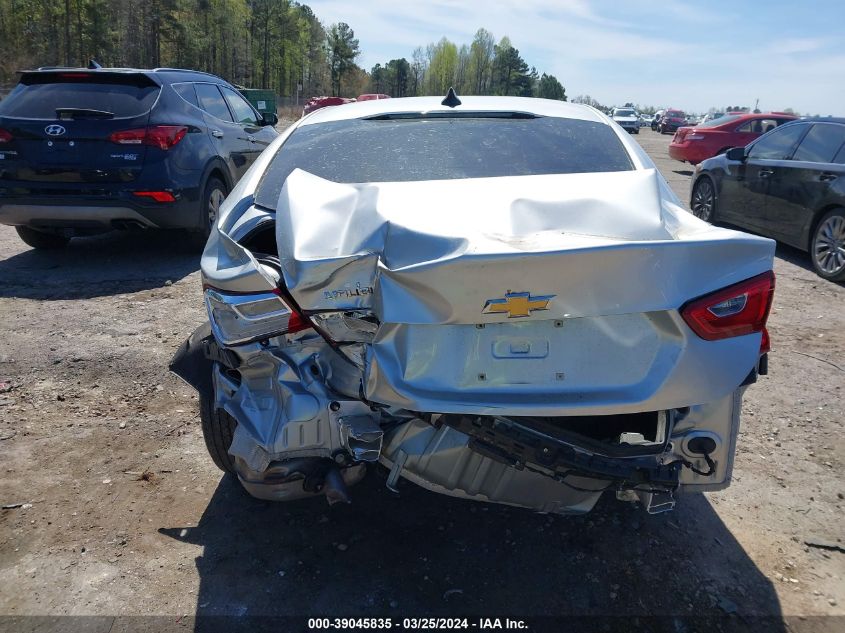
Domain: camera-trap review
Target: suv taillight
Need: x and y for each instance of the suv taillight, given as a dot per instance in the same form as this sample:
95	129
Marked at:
5	136
161	136
733	311
237	319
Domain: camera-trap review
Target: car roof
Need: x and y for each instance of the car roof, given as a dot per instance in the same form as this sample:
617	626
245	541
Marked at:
417	105
760	115
164	75
823	119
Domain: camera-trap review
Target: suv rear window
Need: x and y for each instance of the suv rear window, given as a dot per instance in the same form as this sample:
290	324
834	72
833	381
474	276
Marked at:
39	95
443	148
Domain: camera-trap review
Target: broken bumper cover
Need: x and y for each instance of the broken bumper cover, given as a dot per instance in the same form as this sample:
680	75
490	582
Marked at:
299	435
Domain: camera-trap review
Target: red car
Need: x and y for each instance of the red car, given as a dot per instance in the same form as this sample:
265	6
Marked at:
695	144
315	103
671	121
372	97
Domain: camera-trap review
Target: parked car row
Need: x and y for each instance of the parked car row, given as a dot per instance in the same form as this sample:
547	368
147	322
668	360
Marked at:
315	103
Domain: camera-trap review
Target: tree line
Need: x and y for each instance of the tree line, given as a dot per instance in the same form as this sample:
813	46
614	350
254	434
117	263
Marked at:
482	67
274	44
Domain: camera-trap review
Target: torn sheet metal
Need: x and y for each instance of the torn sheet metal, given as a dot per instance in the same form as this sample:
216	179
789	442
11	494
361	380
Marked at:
578	287
434	252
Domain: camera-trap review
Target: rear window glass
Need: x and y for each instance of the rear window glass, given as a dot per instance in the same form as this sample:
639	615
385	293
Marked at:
186	91
42	97
720	121
447	148
212	101
821	143
777	145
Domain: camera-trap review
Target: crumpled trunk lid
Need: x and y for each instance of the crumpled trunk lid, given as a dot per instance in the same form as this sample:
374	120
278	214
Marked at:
516	295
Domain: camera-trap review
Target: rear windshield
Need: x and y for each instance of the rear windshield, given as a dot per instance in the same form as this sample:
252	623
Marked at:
39	97
448	148
720	121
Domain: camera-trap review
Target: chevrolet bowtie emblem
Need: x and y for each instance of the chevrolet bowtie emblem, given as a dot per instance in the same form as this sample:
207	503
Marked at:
517	304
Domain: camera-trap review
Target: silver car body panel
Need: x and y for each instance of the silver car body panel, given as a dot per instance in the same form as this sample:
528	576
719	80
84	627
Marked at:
425	257
399	278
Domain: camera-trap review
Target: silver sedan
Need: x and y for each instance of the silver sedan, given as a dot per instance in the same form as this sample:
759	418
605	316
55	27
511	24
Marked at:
495	298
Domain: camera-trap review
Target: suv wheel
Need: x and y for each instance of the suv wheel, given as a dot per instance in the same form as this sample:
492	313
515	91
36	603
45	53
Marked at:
213	197
827	247
41	240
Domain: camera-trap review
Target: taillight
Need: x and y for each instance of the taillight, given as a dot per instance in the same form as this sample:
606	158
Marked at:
157	196
5	136
733	311
161	136
242	318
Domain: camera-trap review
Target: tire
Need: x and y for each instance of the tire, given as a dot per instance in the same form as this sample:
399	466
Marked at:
636	130
703	200
218	428
827	246
213	195
41	240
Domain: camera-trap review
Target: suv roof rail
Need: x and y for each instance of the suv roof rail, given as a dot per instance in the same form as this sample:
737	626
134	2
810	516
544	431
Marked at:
57	68
185	70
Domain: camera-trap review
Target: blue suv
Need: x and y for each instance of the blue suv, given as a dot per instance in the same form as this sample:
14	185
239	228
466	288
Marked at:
84	151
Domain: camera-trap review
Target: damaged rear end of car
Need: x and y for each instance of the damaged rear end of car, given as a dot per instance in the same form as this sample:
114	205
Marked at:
507	306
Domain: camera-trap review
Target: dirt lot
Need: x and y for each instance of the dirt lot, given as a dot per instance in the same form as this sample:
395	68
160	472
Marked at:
124	514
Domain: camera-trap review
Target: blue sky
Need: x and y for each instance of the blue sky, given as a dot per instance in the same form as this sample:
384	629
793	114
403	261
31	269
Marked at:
689	55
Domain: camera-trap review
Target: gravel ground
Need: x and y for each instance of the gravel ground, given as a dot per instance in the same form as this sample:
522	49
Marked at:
124	514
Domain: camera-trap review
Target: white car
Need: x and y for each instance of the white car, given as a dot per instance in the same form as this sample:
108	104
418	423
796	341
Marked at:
498	299
627	118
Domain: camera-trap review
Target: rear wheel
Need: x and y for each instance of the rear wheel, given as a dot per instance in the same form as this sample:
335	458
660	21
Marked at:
703	202
218	429
213	197
827	247
41	240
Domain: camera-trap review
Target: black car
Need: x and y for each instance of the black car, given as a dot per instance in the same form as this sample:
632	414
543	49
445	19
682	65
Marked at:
88	150
655	120
788	184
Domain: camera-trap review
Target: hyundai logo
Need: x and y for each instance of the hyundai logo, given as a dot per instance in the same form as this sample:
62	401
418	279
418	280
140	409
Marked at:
55	130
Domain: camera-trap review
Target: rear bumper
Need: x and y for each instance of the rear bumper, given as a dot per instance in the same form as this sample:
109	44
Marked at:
99	214
688	152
